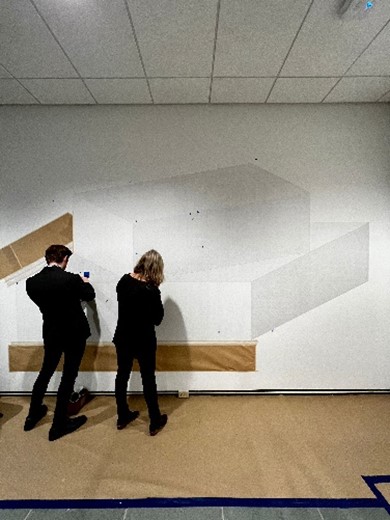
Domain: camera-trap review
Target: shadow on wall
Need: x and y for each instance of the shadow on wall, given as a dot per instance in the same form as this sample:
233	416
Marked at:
172	327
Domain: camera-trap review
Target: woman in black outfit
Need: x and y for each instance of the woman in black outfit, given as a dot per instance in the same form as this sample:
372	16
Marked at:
139	309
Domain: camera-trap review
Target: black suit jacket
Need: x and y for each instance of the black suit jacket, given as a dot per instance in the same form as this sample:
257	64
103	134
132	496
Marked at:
58	295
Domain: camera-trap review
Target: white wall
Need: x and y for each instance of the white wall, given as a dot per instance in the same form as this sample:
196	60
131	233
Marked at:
292	238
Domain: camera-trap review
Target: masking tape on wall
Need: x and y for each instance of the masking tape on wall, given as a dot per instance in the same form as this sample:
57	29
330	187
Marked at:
182	357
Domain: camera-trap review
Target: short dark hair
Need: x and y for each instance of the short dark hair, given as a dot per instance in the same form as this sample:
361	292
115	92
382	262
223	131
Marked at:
56	253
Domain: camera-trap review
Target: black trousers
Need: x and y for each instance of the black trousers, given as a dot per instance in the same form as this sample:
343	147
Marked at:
147	363
73	351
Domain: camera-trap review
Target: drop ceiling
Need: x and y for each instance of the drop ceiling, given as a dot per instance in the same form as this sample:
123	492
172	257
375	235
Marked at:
193	51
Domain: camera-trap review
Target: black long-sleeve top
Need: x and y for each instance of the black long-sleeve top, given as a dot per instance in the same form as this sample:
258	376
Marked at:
139	309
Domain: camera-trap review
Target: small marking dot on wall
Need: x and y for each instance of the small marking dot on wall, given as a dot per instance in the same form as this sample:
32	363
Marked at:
255	158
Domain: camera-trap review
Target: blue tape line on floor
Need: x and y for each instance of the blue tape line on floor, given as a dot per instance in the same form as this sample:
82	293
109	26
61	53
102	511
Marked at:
339	503
372	482
344	503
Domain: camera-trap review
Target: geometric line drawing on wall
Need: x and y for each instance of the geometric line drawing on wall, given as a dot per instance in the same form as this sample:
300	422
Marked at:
310	280
226	237
241	217
232	216
227	187
28	250
322	233
90	225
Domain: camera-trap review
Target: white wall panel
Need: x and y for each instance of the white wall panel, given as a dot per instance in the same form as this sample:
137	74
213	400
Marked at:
111	166
309	281
205	312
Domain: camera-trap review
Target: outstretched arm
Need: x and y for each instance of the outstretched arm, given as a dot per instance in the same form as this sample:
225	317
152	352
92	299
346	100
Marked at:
87	292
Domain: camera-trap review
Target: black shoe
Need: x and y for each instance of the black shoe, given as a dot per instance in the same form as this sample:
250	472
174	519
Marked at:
70	426
78	400
156	427
130	417
33	420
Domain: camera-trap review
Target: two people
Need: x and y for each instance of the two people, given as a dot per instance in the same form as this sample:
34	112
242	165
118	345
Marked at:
58	294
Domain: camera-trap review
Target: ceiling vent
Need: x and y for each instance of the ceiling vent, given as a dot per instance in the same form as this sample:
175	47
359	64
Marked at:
355	8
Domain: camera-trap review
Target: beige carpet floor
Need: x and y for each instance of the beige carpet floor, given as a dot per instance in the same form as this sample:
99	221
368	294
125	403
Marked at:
235	446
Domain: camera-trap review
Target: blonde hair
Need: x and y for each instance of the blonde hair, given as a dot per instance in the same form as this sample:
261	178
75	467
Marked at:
151	267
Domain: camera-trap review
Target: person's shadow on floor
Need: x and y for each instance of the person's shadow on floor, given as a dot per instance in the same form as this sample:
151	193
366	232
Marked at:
9	411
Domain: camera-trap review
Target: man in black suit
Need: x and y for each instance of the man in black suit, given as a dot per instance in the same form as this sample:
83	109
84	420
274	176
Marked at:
58	295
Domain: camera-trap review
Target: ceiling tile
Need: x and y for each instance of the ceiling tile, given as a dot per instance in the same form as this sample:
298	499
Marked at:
12	93
359	90
96	35
109	42
4	73
385	98
27	48
254	37
59	91
328	44
241	90
301	90
375	61
180	90
119	91
176	37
